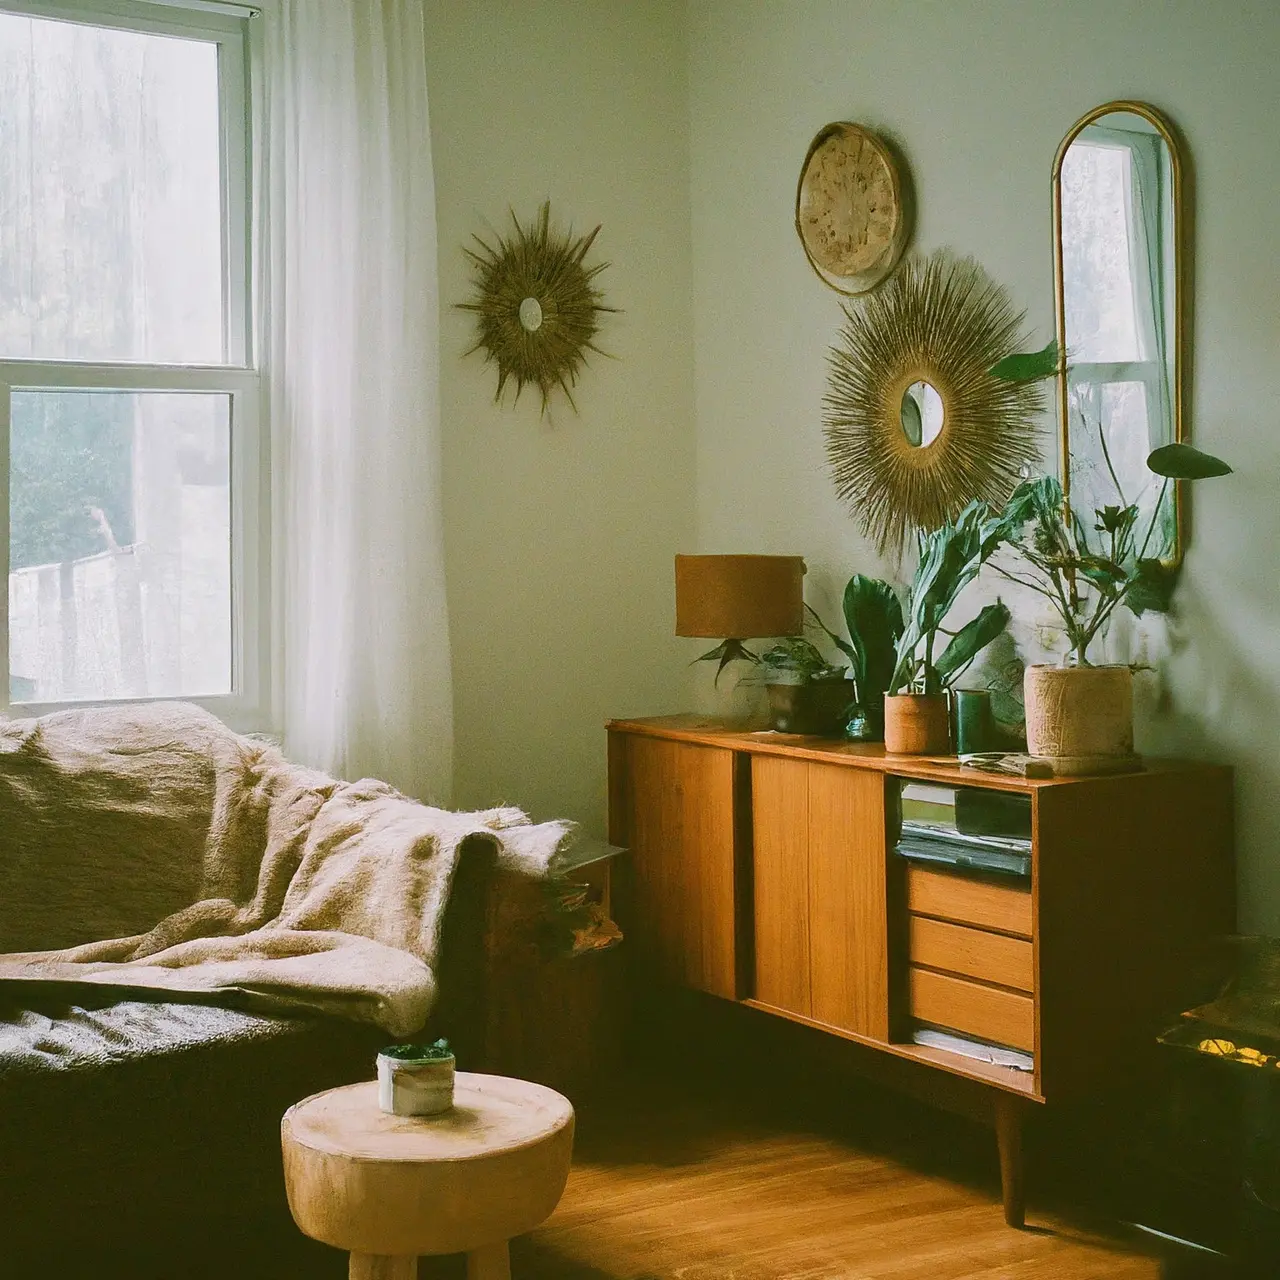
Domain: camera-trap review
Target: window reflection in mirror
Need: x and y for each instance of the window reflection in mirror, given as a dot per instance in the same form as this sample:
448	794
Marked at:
1119	308
921	413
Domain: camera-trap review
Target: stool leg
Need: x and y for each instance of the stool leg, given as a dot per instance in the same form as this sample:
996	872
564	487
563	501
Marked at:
492	1262
376	1266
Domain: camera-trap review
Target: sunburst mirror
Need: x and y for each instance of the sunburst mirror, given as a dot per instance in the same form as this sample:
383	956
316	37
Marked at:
917	420
537	309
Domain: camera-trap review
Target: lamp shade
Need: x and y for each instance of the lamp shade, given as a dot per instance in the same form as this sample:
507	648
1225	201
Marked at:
737	597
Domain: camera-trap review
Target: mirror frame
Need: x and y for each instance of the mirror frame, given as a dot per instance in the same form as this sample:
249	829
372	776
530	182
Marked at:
1181	283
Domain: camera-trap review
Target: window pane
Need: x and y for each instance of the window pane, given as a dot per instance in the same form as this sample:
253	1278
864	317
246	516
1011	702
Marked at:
1097	271
110	195
1117	414
120	545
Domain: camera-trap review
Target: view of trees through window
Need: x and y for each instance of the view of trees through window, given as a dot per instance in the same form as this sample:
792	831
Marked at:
71	486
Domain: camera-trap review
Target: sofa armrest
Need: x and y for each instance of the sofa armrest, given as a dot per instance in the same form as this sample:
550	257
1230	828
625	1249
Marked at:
464	969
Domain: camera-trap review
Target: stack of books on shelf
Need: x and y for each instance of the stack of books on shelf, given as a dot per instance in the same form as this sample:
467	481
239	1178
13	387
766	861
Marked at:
984	832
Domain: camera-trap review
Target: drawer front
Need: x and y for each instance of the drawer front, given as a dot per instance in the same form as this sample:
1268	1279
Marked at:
993	957
986	1012
968	901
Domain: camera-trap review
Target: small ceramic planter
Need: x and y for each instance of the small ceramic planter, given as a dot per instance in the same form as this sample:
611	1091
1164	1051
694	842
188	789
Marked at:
416	1080
916	724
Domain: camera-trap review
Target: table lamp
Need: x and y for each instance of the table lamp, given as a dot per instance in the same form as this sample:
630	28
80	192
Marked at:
738	598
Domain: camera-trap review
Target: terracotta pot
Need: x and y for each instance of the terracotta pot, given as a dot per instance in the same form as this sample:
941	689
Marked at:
916	724
1079	711
818	707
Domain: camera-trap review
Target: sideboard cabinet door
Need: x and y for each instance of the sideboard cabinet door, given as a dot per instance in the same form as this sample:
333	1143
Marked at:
848	913
672	805
821	933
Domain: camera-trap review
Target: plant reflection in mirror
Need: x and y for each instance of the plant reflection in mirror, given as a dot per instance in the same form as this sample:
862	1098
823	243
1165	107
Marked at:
1087	570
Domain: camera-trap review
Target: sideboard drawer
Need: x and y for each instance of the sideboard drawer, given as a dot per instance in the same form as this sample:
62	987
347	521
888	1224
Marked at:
974	953
968	901
990	1013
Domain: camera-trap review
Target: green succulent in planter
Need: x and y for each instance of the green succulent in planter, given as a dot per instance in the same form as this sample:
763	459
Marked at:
807	694
1086	573
439	1051
950	558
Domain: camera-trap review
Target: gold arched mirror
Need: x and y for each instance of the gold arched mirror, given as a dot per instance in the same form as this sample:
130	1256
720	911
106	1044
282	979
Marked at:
1119	274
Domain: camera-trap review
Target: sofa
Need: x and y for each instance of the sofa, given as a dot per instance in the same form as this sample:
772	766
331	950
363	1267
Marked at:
139	1134
130	1128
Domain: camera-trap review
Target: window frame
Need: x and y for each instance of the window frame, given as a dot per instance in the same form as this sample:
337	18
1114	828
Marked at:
248	705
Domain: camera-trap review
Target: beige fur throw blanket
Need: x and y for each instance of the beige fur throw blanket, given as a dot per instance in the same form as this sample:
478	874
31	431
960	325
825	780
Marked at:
151	848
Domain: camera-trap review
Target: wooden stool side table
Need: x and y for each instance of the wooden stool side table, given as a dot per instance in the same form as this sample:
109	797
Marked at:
388	1188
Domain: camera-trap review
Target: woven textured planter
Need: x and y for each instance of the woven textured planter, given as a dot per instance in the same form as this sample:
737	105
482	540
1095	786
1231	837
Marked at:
1079	711
916	724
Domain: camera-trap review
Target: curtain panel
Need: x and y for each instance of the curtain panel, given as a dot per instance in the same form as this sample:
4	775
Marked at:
347	298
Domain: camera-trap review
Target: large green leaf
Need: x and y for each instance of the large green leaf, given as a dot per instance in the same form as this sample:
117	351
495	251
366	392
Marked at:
950	558
971	639
1182	462
874	618
1151	587
1033	500
1029	366
962	550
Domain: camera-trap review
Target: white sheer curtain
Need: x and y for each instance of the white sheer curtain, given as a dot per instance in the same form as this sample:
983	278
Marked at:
348	295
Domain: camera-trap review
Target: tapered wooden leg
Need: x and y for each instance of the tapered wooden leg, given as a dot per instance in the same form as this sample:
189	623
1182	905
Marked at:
1009	1112
375	1266
493	1262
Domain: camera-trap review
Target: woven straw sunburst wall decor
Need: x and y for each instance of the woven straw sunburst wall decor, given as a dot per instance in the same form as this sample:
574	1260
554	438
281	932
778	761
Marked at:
537	310
916	423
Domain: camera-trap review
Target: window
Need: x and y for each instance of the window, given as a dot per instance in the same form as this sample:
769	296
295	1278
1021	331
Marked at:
130	477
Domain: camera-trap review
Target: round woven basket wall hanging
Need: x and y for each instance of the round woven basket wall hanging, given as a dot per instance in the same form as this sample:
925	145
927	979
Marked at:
537	309
916	422
852	211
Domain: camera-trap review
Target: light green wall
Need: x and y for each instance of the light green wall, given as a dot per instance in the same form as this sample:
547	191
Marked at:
559	537
559	534
978	94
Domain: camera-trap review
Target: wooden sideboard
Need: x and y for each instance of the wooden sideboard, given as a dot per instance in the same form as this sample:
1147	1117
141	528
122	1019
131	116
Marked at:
763	872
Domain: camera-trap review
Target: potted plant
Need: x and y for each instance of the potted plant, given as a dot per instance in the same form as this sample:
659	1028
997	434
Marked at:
873	617
807	694
416	1079
1079	710
916	720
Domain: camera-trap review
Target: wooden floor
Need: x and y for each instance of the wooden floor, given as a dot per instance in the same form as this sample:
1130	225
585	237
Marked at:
692	1188
687	1183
